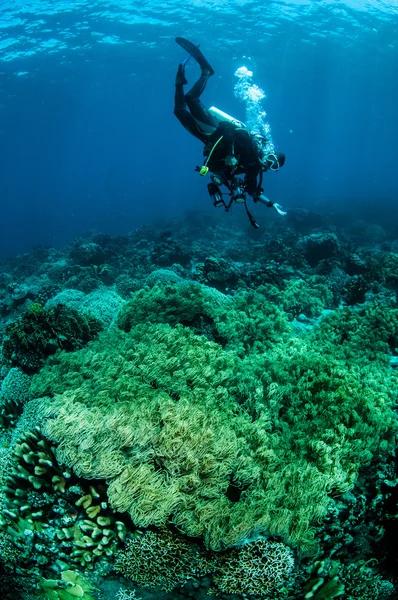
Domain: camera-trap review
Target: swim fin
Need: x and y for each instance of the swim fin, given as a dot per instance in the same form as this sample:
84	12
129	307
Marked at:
186	60
196	54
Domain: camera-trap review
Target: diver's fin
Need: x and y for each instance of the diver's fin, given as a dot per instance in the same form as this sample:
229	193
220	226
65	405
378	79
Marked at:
186	60
196	54
180	77
181	70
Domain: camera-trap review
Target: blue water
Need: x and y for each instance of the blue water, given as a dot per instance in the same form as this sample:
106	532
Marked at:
88	136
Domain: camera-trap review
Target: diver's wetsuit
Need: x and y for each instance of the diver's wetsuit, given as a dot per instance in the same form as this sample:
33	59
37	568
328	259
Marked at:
195	117
230	150
189	109
239	143
220	139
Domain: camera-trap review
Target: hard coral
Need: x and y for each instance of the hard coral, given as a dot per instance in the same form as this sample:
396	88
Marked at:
324	583
165	560
12	585
220	274
126	285
355	580
103	304
14	393
363	582
168	251
259	568
163	277
319	246
86	253
160	560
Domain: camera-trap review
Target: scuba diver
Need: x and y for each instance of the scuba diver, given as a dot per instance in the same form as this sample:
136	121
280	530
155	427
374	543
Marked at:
230	149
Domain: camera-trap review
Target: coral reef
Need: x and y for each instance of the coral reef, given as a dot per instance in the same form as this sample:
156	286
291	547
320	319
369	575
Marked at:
161	560
355	580
261	568
250	321
164	560
320	246
102	305
70	586
168	251
230	449
235	422
40	332
163	276
126	285
48	518
14	393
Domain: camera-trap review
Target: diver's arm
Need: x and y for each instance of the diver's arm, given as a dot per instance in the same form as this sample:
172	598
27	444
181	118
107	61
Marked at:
264	200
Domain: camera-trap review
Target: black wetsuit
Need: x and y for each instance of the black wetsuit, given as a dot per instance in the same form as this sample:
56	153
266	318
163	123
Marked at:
190	110
221	140
237	142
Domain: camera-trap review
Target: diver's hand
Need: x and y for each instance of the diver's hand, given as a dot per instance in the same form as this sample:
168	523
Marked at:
264	200
231	161
278	209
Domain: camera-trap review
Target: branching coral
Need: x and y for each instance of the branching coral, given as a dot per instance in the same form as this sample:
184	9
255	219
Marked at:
164	560
161	560
14	392
259	568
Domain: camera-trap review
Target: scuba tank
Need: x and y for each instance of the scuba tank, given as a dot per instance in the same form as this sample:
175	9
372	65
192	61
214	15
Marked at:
220	115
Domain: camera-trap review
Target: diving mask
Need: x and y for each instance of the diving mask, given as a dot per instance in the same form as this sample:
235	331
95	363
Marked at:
272	162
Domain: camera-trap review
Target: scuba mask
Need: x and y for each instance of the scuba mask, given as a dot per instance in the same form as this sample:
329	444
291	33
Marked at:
272	161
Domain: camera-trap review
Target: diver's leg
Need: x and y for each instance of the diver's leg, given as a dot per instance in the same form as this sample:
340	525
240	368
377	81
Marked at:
196	106
180	77
206	121
181	111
